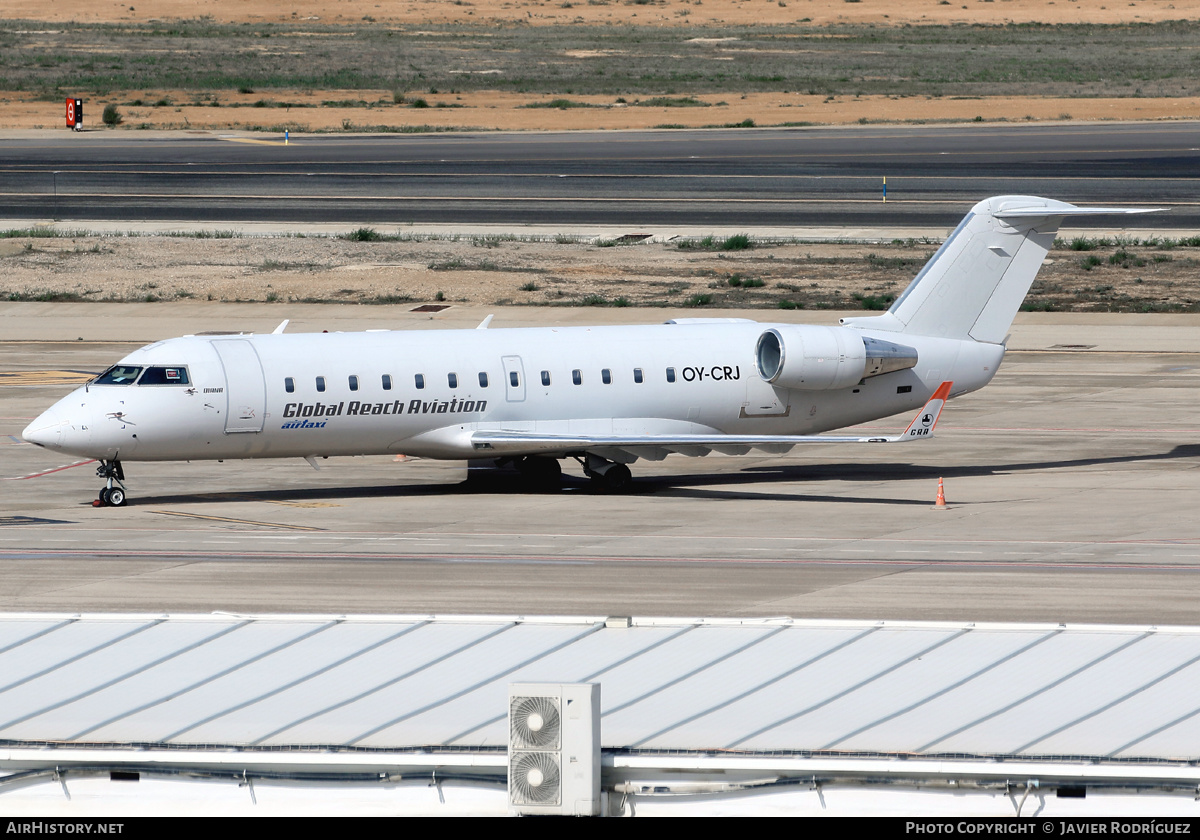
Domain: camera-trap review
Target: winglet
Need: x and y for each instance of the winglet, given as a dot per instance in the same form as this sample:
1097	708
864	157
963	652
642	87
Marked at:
925	421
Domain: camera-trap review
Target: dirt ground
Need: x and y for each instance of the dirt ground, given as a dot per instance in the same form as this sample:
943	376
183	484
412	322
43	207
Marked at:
1132	277
506	111
654	12
489	110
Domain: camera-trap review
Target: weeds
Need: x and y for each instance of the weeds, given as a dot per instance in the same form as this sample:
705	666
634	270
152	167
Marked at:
738	281
363	234
1125	259
560	104
671	102
840	59
42	233
896	263
873	302
737	242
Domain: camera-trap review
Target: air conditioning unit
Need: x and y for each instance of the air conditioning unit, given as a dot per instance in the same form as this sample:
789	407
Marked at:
554	748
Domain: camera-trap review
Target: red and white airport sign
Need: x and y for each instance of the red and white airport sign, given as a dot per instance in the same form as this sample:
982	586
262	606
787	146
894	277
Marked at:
74	113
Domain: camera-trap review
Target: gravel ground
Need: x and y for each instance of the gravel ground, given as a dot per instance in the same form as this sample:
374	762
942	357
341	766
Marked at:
1132	277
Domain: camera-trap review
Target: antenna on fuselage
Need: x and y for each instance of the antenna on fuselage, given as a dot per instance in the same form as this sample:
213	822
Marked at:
279	330
483	325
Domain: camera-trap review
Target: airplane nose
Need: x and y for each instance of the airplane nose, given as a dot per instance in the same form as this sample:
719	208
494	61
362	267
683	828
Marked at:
64	427
47	430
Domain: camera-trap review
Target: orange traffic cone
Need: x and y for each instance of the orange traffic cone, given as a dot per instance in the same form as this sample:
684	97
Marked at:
940	504
400	458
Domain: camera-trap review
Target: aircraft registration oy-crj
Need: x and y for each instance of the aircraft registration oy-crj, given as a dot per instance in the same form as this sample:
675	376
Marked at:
605	396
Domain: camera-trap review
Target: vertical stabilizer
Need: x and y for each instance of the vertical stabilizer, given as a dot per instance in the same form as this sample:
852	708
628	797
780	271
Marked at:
974	285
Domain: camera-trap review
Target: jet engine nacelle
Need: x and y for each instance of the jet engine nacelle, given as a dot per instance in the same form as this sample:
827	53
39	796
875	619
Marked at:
812	358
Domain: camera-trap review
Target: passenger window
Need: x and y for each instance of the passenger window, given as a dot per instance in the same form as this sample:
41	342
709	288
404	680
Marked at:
353	383
606	376
452	378
514	379
637	375
118	375
420	381
546	378
387	382
164	376
577	377
670	374
482	379
289	385
321	384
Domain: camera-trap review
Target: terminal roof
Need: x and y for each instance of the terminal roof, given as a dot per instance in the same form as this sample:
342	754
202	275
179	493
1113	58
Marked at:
769	685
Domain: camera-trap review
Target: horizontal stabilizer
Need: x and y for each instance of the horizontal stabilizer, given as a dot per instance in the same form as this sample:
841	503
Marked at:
532	443
1068	210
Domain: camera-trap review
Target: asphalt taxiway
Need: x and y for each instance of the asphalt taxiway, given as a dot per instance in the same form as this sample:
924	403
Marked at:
1072	481
748	179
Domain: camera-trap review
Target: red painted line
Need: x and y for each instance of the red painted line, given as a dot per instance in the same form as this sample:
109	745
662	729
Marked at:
48	472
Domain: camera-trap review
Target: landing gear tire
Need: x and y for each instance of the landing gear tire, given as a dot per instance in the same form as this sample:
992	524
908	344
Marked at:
617	479
540	474
607	476
112	493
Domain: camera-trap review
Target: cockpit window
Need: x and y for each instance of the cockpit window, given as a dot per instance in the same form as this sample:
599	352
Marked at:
118	375
164	376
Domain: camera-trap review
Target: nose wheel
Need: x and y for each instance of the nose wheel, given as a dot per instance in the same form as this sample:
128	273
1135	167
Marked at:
113	491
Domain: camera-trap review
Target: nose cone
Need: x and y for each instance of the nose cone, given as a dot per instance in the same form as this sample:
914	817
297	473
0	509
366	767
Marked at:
64	427
47	430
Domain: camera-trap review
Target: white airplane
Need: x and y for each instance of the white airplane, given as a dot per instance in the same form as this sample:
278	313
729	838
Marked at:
604	396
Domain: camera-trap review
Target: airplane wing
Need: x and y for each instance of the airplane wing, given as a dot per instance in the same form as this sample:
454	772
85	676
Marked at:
656	447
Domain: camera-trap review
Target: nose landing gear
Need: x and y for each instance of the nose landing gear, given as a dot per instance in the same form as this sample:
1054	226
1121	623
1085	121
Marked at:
109	495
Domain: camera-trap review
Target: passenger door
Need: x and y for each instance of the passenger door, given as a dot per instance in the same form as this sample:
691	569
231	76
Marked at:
245	386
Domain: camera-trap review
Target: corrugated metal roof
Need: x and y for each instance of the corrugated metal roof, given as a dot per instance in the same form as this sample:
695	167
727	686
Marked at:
393	682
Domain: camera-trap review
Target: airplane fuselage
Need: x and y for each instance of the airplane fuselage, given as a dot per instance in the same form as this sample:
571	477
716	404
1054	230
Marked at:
425	392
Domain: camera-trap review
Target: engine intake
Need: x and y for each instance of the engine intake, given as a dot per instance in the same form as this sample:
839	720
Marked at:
811	358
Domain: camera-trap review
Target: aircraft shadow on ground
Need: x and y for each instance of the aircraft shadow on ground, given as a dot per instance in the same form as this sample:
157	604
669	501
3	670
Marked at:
722	485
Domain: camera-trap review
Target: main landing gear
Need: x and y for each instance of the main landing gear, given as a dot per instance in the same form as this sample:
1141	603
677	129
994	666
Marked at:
607	476
543	474
540	474
109	495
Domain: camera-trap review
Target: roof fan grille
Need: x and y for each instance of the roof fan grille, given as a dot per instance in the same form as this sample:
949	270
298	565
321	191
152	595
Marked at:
534	778
534	722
